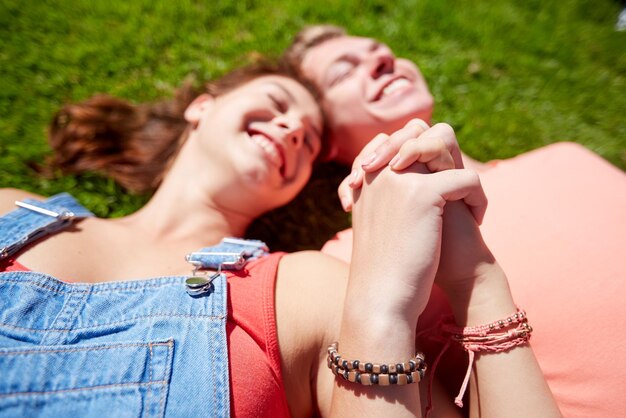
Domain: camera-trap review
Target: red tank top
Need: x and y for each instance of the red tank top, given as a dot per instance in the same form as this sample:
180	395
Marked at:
256	383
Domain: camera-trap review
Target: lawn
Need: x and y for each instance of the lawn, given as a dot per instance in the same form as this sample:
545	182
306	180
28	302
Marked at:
510	76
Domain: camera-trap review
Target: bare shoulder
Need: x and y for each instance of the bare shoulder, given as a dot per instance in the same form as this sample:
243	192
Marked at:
319	267
310	290
8	196
313	284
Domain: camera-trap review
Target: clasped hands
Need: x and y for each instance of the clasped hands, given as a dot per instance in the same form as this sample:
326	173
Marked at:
416	212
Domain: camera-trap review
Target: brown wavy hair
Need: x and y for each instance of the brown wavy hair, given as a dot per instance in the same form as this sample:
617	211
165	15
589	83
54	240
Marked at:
133	143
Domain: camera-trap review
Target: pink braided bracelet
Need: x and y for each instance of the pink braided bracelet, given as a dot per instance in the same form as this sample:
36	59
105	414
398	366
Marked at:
516	318
486	338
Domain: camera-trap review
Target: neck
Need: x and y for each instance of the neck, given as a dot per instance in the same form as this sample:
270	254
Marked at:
196	204
186	217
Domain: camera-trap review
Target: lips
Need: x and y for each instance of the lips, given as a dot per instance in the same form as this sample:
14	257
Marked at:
391	87
272	148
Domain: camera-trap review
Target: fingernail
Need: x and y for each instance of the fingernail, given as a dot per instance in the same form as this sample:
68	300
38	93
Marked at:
345	203
369	159
394	160
421	123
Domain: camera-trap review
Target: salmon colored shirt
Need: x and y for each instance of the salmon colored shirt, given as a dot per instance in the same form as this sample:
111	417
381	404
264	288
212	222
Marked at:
256	383
556	223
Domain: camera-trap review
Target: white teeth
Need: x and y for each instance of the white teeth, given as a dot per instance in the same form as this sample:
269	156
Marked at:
395	85
269	148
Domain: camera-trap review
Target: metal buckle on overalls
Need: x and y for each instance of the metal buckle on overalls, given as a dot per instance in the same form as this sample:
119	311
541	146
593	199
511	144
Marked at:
197	285
63	216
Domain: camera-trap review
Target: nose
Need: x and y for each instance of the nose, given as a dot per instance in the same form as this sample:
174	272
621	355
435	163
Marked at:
293	130
381	61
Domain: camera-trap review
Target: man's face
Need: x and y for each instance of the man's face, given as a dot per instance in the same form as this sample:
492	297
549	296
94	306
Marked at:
366	90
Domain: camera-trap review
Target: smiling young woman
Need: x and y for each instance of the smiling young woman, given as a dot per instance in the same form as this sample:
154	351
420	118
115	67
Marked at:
212	159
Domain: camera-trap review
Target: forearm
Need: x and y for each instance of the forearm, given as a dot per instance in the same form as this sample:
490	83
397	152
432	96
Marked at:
371	331
509	383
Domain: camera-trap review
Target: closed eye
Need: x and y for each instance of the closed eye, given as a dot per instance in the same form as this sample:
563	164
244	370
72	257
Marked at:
341	69
280	105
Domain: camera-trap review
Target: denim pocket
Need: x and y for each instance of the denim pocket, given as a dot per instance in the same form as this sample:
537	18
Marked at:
87	380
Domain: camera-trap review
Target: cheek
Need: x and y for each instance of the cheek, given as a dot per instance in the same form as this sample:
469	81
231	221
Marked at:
305	168
408	67
344	106
302	177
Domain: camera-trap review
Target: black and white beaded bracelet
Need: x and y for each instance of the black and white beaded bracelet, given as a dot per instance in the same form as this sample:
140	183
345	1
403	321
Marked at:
410	371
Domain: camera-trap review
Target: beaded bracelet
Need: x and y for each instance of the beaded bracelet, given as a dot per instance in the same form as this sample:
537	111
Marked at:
495	342
355	371
486	338
483	330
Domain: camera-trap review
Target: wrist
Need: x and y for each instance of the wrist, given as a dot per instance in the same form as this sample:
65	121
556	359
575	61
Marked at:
378	316
388	293
382	336
486	298
382	306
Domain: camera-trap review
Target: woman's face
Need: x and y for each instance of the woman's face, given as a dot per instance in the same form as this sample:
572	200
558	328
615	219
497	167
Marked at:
264	136
366	90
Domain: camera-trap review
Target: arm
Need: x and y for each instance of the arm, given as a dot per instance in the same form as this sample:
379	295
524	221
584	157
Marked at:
397	238
310	292
474	283
479	293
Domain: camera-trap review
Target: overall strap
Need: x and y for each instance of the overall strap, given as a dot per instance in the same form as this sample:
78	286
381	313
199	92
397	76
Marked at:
34	219
229	254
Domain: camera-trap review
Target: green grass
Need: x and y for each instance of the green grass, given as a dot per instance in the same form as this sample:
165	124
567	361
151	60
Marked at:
510	76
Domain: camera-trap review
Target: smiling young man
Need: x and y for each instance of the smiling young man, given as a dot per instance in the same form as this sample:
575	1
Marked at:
365	88
555	222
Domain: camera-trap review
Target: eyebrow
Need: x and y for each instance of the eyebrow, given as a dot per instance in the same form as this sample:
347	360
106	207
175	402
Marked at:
374	45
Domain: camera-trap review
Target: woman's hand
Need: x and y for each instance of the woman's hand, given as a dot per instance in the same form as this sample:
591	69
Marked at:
464	254
397	219
436	147
402	236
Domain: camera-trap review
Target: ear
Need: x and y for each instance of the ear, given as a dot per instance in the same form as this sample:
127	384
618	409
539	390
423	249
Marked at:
196	109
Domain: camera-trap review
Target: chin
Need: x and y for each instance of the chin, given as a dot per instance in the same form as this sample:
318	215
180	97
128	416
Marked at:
402	109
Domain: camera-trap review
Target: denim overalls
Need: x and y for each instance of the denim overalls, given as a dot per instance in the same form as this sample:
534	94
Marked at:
141	348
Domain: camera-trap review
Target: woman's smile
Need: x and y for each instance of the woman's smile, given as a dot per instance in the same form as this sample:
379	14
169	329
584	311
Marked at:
271	148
